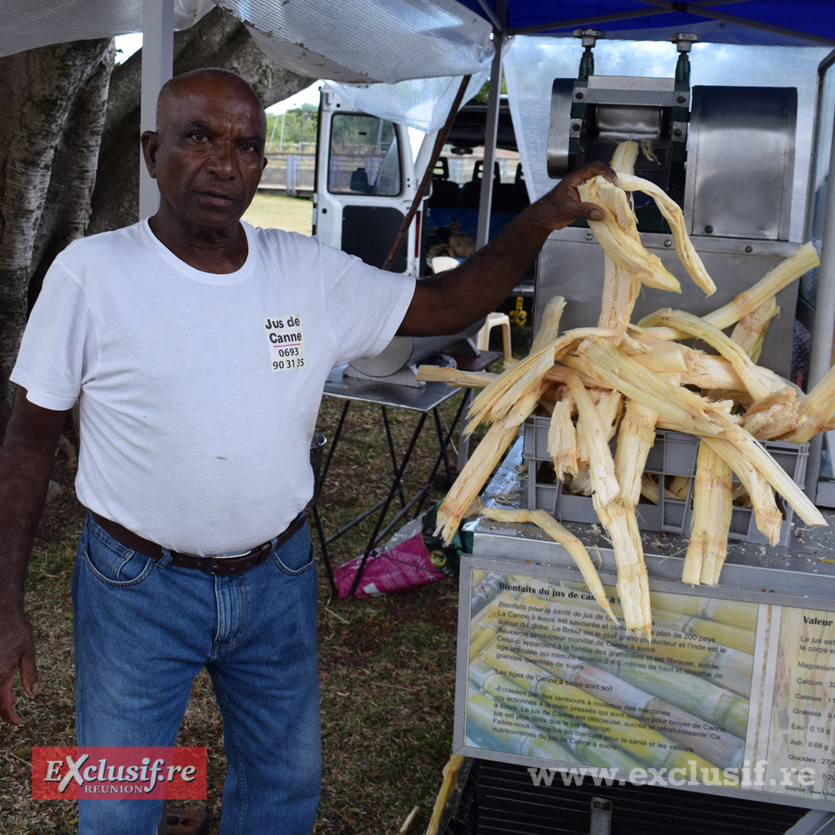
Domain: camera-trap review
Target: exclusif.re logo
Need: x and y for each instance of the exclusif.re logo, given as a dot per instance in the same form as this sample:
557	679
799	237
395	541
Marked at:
142	772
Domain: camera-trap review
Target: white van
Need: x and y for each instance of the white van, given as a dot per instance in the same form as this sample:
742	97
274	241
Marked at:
367	177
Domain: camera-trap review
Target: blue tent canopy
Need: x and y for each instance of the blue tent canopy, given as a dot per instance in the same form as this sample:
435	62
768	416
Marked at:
739	21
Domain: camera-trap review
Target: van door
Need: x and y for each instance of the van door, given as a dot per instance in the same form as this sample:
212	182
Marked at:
365	184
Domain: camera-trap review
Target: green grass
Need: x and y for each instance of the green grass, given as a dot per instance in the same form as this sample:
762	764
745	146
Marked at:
273	209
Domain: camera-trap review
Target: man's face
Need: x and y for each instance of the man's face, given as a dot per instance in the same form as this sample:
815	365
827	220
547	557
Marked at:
208	154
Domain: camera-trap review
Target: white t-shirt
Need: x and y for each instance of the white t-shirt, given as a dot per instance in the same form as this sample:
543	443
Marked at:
198	391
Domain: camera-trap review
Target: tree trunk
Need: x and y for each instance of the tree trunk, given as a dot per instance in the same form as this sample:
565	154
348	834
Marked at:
60	133
54	107
216	40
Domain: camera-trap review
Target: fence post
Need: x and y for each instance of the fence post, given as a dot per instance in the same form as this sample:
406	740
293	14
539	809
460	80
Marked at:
292	177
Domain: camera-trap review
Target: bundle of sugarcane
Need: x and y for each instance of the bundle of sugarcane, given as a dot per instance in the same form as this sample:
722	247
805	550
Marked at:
633	379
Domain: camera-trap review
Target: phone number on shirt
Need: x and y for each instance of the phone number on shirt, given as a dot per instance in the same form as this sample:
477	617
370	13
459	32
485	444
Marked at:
280	365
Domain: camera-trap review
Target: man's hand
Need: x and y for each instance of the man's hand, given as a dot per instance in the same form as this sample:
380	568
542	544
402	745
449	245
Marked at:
17	651
562	205
456	299
25	461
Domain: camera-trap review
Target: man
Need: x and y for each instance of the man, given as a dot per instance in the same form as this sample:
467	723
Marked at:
194	458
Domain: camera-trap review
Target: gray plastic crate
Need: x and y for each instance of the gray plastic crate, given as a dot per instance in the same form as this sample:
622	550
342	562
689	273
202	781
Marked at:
792	458
672	454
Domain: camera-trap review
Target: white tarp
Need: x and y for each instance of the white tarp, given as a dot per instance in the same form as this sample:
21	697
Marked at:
422	104
364	41
26	24
380	40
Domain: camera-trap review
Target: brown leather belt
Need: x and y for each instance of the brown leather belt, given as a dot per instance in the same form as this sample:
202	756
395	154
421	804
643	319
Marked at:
219	566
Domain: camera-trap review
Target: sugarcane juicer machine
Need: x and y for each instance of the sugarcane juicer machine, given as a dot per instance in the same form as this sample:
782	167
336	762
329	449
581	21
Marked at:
725	154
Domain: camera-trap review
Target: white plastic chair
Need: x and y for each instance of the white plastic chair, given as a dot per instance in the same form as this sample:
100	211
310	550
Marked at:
495	320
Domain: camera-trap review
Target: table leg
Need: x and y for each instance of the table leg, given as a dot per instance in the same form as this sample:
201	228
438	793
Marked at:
391	494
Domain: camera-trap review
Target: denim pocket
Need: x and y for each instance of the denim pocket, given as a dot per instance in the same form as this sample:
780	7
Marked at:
111	562
296	555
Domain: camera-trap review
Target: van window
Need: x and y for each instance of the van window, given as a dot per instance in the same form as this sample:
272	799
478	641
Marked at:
364	156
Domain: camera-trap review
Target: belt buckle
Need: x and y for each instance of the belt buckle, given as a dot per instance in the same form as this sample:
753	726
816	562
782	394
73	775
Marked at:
215	562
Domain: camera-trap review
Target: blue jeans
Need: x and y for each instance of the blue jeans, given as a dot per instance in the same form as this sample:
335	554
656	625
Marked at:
144	629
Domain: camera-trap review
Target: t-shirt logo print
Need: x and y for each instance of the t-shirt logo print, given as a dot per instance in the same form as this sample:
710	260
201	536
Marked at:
284	334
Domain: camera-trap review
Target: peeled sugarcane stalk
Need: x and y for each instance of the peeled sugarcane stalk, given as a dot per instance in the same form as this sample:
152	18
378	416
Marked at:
562	536
690	413
516	384
455	377
633	583
766	513
451	771
714	492
558	374
618	517
621	287
679	406
501	396
805	258
679	486
483	405
670	363
774	416
705	371
562	437
593	435
712	508
670	209
650	488
816	409
471	479
625	251
635	439
624	158
607	406
749	332
549	328
759	381
526	404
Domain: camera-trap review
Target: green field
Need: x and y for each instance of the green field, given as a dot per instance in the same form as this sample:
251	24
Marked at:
295	214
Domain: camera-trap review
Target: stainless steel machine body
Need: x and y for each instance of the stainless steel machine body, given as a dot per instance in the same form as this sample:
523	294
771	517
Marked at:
726	154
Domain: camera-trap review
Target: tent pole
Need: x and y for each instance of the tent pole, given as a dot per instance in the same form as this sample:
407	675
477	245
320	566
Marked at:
440	139
157	68
824	326
491	130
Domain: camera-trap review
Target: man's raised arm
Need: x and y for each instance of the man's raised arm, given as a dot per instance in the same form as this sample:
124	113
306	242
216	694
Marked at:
25	463
459	297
